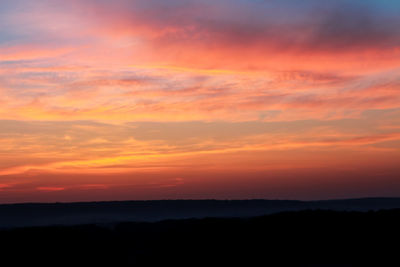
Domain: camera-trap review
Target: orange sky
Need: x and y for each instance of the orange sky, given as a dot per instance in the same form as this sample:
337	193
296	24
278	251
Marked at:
112	100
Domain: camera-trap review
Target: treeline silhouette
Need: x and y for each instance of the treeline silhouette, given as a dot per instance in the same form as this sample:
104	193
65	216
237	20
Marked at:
303	238
44	214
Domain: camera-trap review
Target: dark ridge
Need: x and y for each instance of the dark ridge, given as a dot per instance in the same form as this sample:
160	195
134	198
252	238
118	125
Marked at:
303	238
44	214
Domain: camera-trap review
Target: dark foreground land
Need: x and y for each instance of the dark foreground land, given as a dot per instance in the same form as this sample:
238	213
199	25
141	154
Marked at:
45	214
301	238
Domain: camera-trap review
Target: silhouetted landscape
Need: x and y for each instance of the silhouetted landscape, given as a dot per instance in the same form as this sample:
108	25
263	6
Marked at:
321	233
40	214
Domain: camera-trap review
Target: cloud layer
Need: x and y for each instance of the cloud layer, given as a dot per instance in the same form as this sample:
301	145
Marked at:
147	93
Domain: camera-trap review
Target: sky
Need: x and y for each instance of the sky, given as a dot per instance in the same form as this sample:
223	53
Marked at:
155	99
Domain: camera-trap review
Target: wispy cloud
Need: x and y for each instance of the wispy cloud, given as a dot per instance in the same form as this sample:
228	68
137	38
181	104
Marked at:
127	87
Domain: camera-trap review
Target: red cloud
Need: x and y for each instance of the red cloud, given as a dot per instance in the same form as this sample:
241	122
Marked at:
50	188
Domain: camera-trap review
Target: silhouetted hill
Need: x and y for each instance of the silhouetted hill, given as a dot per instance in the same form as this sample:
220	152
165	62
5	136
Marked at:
23	215
305	238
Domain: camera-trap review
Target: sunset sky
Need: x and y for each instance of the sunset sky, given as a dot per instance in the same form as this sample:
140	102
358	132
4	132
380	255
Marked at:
171	99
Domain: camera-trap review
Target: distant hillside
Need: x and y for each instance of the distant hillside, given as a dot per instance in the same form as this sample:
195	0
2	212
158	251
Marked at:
304	238
23	215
